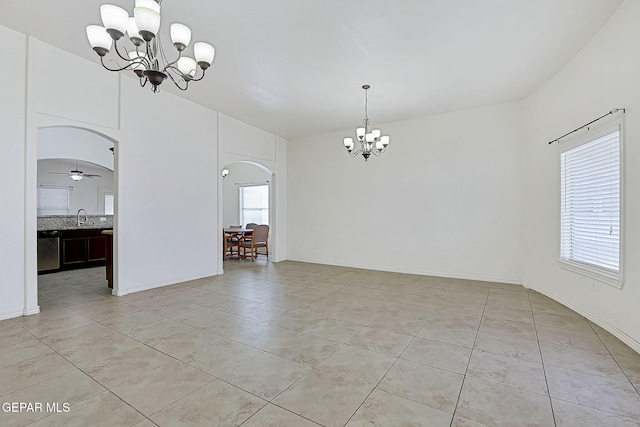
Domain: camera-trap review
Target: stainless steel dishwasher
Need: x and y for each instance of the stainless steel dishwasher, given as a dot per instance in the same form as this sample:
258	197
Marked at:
48	250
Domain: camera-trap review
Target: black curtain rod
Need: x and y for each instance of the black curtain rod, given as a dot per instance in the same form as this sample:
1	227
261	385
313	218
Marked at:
613	111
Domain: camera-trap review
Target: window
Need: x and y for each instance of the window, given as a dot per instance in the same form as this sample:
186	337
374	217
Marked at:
53	200
105	201
254	204
590	198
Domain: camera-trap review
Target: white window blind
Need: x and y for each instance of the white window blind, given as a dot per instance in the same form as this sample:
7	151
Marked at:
590	204
254	204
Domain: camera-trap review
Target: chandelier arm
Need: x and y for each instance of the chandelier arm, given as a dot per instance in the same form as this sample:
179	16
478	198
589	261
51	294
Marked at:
125	58
177	83
143	81
126	67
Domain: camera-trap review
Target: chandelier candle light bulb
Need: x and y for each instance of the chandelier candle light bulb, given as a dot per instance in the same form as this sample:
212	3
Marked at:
147	58
370	142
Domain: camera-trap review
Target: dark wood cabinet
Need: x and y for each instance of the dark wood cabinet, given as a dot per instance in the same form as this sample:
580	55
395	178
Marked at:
81	249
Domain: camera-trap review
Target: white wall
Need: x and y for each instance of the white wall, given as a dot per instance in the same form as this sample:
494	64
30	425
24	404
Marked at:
167	190
166	169
443	200
239	173
84	194
604	75
12	182
74	143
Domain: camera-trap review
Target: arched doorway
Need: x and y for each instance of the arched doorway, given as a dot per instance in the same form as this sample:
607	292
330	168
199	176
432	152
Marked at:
73	211
244	181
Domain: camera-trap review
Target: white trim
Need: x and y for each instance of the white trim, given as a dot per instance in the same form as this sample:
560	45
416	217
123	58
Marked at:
13	314
411	271
29	312
615	123
123	292
613	330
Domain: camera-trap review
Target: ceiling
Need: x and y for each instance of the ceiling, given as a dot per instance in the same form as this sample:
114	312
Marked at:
296	67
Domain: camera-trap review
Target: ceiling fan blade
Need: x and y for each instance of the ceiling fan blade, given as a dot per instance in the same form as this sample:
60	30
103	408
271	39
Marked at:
59	173
89	175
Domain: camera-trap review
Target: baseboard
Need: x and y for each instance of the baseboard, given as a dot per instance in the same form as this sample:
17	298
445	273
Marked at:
13	313
613	330
30	311
411	271
121	293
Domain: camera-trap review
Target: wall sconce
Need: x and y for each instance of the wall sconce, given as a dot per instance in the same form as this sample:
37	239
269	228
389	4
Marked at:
225	172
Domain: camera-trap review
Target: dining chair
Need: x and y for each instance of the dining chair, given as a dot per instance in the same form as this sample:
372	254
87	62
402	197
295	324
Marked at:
230	242
258	239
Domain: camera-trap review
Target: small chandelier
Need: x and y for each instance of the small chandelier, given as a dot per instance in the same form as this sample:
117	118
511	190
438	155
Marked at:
370	142
146	57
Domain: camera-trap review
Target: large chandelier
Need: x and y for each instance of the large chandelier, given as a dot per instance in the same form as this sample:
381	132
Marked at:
146	57
370	142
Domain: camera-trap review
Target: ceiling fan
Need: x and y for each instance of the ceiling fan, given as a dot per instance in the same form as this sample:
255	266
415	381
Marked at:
76	174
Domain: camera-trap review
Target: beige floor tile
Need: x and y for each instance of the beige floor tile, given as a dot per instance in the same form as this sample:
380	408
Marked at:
326	399
630	366
156	330
552	307
509	302
274	416
79	336
520	293
69	321
335	330
230	325
498	405
150	392
404	323
145	423
380	341
70	388
266	375
296	320
573	323
221	357
33	371
570	415
290	301
124	366
440	355
307	349
459	421
463	306
199	317
154	302
384	409
13	334
423	384
264	336
357	364
26	350
517	373
104	309
183	343
507	313
571	338
616	346
508	327
89	353
577	359
216	404
103	409
507	345
262	313
132	320
606	394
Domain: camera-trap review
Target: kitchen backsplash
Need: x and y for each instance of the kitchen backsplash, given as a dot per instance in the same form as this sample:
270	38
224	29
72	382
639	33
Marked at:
70	222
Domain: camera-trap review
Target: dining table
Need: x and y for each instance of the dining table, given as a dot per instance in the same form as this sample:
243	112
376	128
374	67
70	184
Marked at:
238	233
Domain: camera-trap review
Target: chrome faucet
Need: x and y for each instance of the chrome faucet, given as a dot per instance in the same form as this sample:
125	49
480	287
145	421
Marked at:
85	217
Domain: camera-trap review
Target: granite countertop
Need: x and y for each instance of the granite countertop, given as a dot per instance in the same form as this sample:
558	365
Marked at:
70	222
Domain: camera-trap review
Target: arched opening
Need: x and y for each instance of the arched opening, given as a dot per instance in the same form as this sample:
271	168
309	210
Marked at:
248	196
76	208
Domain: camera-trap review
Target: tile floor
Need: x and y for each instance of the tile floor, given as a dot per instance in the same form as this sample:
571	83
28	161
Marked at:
293	344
